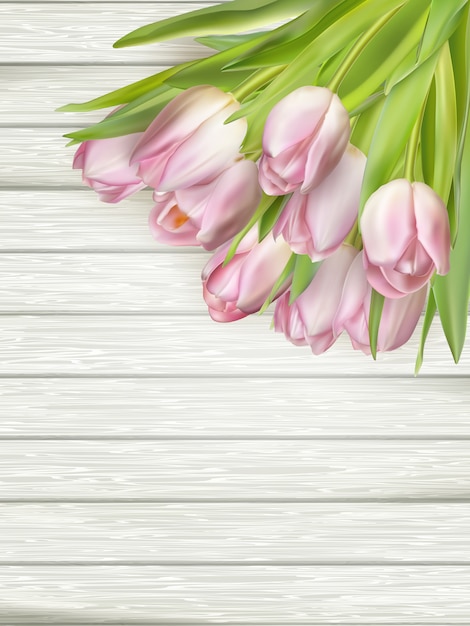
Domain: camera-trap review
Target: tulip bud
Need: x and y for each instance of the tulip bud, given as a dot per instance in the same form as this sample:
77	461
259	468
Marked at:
406	237
242	286
105	167
310	318
399	319
305	136
317	223
207	214
188	143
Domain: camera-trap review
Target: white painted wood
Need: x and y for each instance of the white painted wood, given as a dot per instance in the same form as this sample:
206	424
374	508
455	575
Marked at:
268	470
255	595
69	33
74	220
293	533
31	94
193	345
102	282
227	408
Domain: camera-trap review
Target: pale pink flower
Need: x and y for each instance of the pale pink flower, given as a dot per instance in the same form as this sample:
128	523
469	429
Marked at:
105	167
242	286
188	143
399	319
304	138
406	237
317	223
309	320
207	215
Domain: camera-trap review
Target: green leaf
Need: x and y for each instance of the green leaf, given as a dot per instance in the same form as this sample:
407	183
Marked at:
452	291
428	318
301	71
363	130
222	19
375	315
428	136
304	273
225	42
286	272
270	217
399	115
444	18
399	35
118	125
126	94
446	125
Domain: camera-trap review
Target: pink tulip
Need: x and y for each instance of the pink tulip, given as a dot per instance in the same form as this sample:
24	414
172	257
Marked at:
318	222
106	169
406	237
207	215
242	286
399	316
188	143
305	136
310	318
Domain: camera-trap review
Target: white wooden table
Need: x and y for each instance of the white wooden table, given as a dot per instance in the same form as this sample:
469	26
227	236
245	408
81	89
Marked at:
158	468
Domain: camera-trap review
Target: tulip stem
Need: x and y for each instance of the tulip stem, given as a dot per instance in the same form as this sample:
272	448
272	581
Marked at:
412	148
256	80
356	50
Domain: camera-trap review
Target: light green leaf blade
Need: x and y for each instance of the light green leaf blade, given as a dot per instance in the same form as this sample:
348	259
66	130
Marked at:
304	272
222	19
375	315
225	42
364	127
444	17
428	318
399	115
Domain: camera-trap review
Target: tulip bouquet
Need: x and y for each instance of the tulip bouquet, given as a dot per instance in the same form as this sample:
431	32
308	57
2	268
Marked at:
320	150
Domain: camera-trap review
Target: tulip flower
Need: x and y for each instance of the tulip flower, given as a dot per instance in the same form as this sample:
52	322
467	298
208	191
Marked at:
305	136
406	237
399	319
188	143
309	320
207	215
317	223
105	167
242	286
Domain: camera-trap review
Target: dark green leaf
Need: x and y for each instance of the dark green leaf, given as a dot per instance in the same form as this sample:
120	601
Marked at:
304	273
270	217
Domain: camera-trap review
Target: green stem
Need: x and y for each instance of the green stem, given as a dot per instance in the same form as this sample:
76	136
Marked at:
356	50
412	148
257	79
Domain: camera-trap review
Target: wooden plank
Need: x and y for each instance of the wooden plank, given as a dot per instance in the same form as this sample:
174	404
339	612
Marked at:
49	33
102	282
246	470
32	94
380	533
74	220
187	346
209	407
254	595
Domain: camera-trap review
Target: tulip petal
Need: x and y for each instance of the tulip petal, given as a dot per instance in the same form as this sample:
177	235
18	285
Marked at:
399	320
432	223
355	291
388	223
294	118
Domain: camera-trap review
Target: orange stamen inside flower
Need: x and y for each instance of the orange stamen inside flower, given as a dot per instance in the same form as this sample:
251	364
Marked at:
177	217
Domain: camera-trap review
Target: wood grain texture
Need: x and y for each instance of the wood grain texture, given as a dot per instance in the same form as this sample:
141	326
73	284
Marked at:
266	408
102	282
255	595
31	94
42	33
195	470
162	345
380	533
67	220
